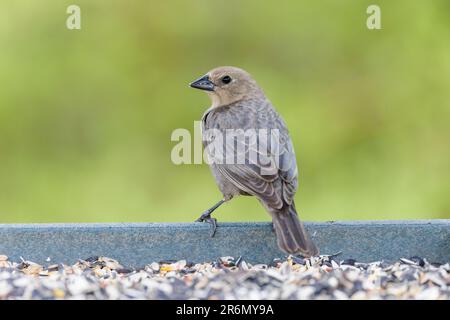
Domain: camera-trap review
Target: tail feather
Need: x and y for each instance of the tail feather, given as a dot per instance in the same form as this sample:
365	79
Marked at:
291	235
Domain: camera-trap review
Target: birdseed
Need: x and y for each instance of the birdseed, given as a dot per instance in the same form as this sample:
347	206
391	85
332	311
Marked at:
323	277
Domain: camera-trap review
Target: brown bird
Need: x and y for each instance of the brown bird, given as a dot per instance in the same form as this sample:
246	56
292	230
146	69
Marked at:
239	104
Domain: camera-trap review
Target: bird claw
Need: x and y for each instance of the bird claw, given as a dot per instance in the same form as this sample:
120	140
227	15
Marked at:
206	217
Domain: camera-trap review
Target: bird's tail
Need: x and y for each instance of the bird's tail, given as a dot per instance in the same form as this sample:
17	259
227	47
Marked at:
291	235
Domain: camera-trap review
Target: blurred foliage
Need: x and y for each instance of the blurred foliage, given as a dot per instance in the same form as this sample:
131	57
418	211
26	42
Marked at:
86	116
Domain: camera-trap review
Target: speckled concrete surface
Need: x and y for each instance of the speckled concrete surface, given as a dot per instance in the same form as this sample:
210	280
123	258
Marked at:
135	244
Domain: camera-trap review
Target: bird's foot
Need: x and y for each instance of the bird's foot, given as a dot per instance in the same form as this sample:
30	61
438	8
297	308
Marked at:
206	217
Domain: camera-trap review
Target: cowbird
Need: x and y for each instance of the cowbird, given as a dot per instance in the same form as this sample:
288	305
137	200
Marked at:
240	105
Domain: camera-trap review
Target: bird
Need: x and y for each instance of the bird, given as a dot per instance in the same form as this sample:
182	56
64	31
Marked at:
238	104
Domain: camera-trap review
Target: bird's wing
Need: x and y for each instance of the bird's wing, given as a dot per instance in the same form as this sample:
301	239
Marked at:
269	171
288	171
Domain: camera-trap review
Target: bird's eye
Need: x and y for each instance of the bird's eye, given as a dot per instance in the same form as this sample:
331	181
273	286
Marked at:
226	79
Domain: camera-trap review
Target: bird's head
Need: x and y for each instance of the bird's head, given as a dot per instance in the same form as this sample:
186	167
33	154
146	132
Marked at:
226	85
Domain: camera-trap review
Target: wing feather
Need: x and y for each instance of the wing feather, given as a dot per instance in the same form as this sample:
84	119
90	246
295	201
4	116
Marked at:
270	176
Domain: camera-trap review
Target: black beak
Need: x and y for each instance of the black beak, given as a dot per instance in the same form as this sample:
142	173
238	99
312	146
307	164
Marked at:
203	83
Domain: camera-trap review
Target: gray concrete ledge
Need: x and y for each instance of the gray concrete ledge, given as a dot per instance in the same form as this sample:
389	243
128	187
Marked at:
136	244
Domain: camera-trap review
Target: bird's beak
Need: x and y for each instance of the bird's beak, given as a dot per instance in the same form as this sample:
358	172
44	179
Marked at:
203	83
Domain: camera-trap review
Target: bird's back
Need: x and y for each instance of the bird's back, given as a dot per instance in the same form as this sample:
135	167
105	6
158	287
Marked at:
247	114
274	186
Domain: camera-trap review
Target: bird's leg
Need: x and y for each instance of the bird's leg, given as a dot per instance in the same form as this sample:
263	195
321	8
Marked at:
206	217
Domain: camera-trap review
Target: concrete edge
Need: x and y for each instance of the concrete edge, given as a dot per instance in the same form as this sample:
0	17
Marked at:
223	224
137	244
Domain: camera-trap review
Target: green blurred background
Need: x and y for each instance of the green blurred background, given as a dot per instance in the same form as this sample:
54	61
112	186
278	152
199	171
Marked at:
86	116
